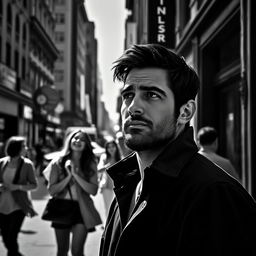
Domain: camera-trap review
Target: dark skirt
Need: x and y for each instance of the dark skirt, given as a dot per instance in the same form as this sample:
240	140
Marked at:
76	219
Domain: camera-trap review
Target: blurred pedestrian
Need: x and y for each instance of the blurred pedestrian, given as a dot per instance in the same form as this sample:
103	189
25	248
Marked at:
2	149
125	151
39	158
17	178
170	200
111	156
208	141
73	176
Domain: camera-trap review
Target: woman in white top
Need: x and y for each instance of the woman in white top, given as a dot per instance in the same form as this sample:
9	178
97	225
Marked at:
73	176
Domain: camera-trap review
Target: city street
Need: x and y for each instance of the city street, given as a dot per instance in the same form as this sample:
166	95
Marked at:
37	236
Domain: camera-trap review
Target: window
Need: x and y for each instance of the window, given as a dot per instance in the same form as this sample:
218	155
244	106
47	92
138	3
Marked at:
23	68
17	29
60	18
8	55
61	56
1	15
33	8
24	35
25	4
9	19
59	37
16	63
59	75
60	2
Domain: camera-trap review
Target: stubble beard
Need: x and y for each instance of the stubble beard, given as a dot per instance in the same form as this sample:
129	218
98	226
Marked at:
139	141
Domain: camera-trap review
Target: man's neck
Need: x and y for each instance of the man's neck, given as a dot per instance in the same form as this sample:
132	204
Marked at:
145	159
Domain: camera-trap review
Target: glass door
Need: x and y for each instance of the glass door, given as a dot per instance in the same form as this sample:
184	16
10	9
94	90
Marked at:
230	123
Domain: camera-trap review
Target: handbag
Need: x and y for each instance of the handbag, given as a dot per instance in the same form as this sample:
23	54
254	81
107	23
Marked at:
60	210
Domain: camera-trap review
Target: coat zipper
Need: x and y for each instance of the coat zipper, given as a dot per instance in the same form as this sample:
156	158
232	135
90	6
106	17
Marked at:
141	207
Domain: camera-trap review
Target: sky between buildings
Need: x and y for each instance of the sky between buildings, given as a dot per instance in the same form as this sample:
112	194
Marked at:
109	18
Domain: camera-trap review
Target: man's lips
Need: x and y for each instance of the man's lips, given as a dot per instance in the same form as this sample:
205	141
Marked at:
136	124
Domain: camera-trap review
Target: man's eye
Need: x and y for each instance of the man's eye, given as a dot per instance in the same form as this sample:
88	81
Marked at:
127	95
153	95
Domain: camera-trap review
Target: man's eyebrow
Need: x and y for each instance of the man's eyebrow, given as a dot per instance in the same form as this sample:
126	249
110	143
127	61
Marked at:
144	88
126	89
152	88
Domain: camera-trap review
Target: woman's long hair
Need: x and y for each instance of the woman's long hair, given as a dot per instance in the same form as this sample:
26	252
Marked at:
87	156
117	154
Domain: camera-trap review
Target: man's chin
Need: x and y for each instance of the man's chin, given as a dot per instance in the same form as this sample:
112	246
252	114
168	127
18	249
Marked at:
133	142
136	143
135	146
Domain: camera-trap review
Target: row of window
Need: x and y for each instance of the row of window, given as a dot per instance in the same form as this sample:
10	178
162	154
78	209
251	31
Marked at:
44	13
60	2
39	53
17	26
60	18
17	63
13	57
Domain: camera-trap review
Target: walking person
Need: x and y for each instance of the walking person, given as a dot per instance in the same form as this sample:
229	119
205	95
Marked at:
73	176
170	200
208	141
17	178
112	155
39	159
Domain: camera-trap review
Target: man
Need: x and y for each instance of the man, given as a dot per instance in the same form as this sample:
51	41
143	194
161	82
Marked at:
208	140
170	200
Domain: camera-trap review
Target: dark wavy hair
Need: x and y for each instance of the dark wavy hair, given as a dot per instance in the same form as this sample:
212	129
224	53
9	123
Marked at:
14	146
117	154
87	156
183	80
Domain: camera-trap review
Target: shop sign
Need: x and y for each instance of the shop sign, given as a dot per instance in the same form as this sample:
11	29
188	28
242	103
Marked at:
8	77
161	22
46	97
53	119
27	112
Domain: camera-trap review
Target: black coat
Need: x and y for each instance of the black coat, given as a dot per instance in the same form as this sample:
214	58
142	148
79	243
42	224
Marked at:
188	206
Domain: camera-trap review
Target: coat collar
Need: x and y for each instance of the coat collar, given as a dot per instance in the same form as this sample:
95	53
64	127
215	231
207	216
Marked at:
176	154
170	161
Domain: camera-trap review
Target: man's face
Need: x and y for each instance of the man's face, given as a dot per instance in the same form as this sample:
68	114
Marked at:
148	119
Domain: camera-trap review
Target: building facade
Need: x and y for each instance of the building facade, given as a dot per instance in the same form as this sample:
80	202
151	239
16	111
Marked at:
27	56
42	56
49	77
76	68
216	38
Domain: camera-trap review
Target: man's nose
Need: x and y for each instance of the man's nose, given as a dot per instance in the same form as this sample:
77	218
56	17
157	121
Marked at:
136	106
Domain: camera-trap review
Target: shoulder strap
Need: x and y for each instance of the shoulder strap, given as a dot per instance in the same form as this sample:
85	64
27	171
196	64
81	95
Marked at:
17	174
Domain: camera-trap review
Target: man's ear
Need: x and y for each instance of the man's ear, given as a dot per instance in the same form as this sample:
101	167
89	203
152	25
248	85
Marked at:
186	112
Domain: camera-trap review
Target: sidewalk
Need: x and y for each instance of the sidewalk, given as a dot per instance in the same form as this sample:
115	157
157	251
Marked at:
37	237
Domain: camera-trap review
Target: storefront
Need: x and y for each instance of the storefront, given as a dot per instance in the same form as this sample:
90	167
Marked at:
8	118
